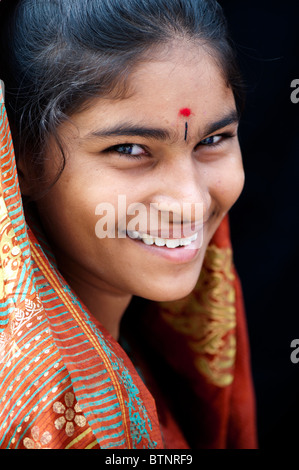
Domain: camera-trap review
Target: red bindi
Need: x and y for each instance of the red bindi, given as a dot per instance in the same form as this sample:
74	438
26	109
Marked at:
185	112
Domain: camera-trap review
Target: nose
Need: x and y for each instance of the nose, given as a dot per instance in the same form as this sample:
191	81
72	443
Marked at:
182	193
180	183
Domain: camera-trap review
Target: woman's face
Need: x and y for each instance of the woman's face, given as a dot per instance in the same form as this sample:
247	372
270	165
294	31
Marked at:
171	141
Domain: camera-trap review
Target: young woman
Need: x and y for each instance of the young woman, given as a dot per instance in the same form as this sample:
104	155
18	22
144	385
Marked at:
122	323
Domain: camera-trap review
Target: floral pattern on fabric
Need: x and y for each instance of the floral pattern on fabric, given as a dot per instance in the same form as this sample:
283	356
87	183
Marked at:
71	414
37	441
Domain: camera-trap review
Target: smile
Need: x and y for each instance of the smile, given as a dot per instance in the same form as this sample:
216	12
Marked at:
168	242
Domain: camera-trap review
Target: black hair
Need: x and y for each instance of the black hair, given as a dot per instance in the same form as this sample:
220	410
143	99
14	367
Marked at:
56	55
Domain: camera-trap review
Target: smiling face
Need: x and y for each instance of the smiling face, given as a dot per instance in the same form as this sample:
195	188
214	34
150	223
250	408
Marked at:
136	147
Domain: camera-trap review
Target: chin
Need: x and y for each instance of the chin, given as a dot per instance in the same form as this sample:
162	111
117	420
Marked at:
169	294
171	285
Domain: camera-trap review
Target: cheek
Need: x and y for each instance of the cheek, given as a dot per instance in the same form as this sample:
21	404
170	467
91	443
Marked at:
227	185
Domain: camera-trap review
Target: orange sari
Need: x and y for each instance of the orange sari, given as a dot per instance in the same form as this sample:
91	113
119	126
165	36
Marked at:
66	383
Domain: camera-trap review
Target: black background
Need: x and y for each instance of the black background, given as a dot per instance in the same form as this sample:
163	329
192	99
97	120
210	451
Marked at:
265	222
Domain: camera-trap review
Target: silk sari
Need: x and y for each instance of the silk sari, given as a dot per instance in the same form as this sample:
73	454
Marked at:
66	383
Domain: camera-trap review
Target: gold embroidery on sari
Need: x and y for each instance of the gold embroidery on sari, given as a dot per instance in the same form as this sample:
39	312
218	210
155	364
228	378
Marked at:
208	318
19	318
10	253
79	438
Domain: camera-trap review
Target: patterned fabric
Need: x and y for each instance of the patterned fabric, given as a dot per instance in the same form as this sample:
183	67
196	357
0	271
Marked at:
66	383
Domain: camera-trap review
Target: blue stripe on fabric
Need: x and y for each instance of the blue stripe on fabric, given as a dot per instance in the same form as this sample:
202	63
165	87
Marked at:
59	315
22	276
25	289
88	377
3	157
17	221
26	252
111	426
12	186
42	286
10	163
95	395
7	144
65	331
104	400
103	410
88	359
79	353
38	278
114	436
74	345
90	386
4	304
105	418
61	340
4	322
114	444
7	198
49	309
10	178
14	204
14	212
20	237
46	293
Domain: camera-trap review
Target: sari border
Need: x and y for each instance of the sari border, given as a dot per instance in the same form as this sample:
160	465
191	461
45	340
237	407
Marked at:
86	329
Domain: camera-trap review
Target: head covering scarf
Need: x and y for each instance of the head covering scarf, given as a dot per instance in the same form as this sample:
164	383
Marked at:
66	383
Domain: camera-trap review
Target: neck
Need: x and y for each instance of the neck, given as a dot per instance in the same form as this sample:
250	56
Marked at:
106	306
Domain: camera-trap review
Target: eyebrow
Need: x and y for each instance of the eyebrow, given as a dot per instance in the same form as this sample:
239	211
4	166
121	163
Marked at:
131	130
231	118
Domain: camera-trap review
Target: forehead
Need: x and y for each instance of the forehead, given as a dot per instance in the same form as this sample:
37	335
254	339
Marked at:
191	75
160	88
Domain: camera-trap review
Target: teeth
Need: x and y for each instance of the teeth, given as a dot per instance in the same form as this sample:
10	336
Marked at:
186	241
170	243
160	241
134	234
148	240
173	243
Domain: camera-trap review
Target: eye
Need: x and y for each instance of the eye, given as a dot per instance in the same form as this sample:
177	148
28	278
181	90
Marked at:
129	150
213	140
